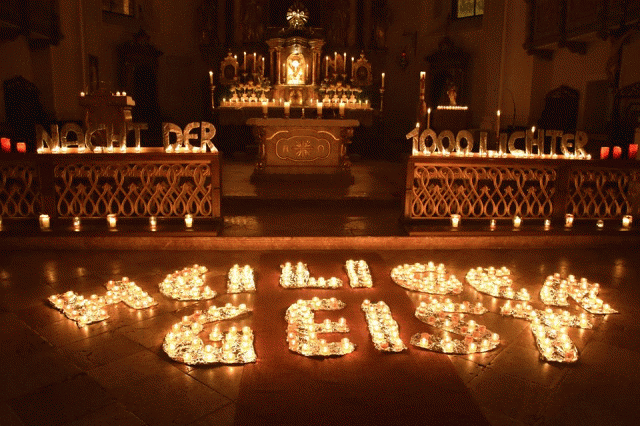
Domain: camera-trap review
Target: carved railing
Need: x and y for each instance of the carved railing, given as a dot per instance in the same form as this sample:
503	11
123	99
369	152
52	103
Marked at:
151	183
494	188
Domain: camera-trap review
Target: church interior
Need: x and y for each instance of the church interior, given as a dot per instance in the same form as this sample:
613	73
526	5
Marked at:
450	186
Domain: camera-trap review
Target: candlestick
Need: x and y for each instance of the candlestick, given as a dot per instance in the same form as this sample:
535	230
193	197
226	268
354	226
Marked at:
264	71
326	67
76	223
568	220
517	221
455	220
6	144
344	63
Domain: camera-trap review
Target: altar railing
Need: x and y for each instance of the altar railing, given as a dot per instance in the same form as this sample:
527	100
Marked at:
149	183
502	188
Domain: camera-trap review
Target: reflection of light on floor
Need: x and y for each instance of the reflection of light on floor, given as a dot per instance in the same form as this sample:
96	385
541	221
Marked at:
51	272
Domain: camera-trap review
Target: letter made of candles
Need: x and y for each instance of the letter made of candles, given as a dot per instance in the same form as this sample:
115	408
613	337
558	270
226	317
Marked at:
534	143
303	334
174	139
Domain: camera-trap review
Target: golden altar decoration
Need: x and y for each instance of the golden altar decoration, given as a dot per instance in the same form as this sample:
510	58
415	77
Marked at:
323	91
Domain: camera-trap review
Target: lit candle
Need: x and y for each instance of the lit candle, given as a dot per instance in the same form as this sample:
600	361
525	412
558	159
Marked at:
76	223
319	109
264	71
341	109
21	147
6	144
265	108
568	220
211	78
547	223
287	108
255	62
428	118
517	221
498	125
111	220
188	221
492	224
600	223
244	61
382	86
626	220
153	221
633	151
326	67
82	94
344	63
44	221
604	152
617	152
455	220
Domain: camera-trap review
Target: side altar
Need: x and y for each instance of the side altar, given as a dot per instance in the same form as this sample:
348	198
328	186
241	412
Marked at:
302	104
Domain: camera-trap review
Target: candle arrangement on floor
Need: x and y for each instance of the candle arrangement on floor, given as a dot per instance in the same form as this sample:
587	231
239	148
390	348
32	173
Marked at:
302	331
187	284
240	280
182	343
426	278
476	336
299	278
556	290
495	282
358	273
382	327
88	311
549	330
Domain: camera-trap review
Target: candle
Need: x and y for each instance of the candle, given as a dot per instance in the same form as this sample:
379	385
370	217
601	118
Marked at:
326	67
547	224
264	72
244	61
341	109
428	118
255	62
111	220
382	86
153	221
626	220
265	108
617	152
21	147
44	221
97	150
211	78
633	151
319	109
188	221
287	108
6	144
82	94
76	223
344	63
568	220
600	223
492	224
455	220
517	221
604	152
498	125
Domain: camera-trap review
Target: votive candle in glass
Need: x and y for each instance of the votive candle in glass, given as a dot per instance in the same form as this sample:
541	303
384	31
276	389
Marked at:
626	221
188	221
6	144
21	147
617	152
44	221
455	220
111	220
568	220
517	221
604	152
633	151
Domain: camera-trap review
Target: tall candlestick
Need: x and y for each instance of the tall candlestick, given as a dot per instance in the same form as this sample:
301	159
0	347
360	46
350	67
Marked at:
382	81
210	77
255	62
326	68
264	71
344	63
429	118
352	67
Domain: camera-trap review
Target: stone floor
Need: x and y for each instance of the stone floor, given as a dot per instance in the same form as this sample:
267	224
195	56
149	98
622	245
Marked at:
115	373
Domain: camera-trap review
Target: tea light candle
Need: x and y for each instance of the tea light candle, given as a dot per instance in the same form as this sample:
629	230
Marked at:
111	220
617	152
626	221
604	152
6	144
287	108
517	221
188	221
568	220
455	220
44	221
21	147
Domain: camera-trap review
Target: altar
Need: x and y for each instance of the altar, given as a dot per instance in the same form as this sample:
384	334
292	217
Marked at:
289	146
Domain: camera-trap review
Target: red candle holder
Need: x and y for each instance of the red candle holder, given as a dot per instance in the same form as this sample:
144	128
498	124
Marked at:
6	144
604	152
21	147
633	151
617	152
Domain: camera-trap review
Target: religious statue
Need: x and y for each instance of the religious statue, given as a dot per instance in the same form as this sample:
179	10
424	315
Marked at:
452	93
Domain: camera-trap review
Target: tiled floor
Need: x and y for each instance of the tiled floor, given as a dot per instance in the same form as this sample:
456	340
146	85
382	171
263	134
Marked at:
115	373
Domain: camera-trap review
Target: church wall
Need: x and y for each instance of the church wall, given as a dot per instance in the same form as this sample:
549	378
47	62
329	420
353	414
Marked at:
16	61
630	67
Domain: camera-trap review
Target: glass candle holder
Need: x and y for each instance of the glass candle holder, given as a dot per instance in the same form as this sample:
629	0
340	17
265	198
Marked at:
604	152
153	221
111	220
517	221
44	221
547	224
455	220
568	220
626	221
600	223
188	221
76	223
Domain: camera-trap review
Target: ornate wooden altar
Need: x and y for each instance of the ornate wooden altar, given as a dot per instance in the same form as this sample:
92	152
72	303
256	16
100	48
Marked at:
302	146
